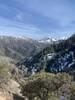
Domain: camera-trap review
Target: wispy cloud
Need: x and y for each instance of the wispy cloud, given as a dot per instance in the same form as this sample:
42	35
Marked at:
8	27
19	16
37	17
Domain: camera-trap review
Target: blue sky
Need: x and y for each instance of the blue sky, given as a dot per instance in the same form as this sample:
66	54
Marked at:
37	18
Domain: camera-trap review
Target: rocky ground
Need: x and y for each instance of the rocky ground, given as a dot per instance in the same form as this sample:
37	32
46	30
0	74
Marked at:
10	91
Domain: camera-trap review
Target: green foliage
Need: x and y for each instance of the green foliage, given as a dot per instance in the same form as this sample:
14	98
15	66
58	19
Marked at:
43	84
72	91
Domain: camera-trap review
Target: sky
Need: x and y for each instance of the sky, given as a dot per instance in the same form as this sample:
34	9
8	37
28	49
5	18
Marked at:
37	18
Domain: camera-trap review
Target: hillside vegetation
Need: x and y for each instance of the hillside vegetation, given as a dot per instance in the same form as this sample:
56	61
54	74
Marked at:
46	86
57	57
43	72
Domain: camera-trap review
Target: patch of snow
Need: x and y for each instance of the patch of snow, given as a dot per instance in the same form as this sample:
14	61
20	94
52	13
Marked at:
47	40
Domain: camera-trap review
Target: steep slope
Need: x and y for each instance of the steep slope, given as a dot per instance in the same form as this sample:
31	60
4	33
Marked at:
58	57
19	48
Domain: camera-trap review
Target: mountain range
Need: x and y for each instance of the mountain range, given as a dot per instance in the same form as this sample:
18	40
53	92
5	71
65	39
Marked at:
58	56
19	48
22	58
31	56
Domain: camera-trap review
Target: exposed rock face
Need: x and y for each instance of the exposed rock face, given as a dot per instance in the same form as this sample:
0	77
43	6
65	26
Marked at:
4	95
10	91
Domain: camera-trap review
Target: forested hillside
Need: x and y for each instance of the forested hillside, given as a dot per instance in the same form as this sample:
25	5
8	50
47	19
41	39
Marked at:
57	57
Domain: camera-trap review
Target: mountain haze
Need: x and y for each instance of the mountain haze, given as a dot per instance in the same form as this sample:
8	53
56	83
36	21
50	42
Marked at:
19	48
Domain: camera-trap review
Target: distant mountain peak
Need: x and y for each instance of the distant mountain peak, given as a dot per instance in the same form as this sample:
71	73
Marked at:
47	40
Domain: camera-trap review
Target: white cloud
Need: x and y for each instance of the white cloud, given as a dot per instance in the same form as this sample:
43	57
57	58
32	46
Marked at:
19	16
26	13
8	27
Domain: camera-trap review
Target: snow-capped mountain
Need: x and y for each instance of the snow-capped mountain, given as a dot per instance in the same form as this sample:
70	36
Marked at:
57	57
47	40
